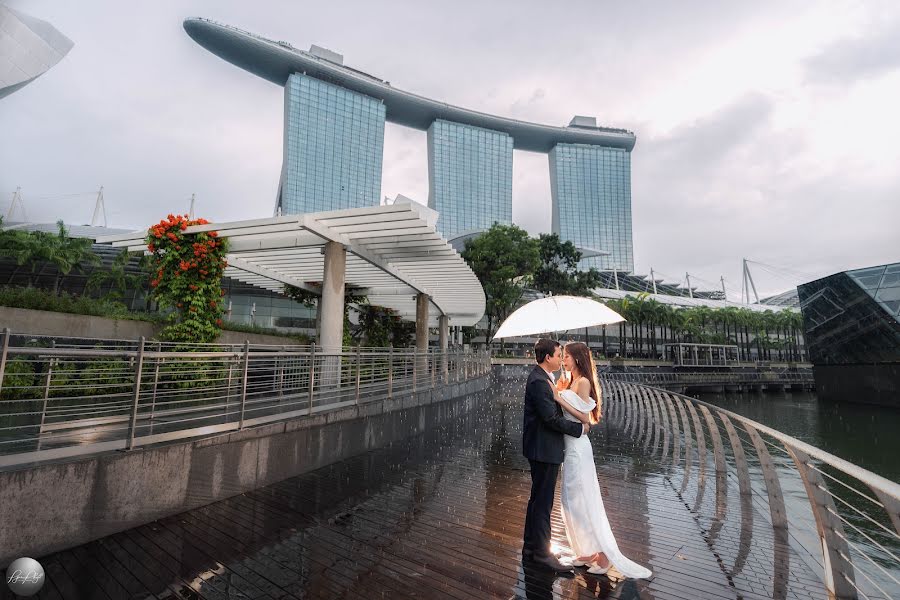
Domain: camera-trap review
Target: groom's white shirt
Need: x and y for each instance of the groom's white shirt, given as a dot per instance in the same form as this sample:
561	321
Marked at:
552	376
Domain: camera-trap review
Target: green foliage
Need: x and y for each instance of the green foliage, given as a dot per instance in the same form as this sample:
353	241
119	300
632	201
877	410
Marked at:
106	376
742	327
504	259
117	276
381	327
188	278
38	299
35	248
558	272
17	377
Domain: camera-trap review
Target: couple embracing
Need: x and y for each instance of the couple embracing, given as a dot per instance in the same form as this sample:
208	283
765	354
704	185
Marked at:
558	418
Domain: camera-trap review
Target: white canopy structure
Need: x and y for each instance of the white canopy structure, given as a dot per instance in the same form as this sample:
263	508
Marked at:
393	254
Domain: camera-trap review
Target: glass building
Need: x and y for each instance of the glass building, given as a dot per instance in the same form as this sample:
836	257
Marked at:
851	323
469	177
591	191
333	147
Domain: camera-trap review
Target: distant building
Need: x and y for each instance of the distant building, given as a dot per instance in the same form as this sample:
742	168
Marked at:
28	48
851	324
591	191
469	177
333	145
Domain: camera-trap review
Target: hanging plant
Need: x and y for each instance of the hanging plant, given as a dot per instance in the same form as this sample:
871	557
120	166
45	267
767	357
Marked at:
187	277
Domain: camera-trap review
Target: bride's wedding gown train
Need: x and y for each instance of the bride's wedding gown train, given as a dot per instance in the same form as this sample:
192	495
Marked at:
583	513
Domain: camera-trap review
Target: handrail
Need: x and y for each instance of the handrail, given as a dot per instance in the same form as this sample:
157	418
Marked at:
853	563
58	402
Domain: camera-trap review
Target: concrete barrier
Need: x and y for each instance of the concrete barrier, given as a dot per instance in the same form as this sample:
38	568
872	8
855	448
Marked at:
47	508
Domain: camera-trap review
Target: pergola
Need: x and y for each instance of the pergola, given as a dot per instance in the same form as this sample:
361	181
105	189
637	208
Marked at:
393	254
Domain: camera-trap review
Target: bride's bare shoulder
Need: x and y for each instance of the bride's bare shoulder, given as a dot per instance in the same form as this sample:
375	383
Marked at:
582	386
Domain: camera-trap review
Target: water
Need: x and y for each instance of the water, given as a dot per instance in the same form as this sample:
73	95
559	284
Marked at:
865	435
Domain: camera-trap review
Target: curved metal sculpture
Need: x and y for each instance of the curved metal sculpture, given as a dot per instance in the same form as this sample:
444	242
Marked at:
853	563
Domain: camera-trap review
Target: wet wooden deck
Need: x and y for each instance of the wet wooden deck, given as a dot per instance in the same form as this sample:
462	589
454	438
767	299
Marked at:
437	516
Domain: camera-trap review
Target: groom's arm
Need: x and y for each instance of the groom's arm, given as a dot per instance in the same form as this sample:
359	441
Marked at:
542	399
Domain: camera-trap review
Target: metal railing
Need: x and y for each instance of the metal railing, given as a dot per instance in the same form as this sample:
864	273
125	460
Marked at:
855	513
648	377
60	399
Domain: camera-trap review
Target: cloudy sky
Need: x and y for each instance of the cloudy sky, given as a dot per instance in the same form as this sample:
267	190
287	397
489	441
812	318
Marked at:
765	130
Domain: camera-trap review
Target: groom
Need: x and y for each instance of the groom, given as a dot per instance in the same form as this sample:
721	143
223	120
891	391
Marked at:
543	446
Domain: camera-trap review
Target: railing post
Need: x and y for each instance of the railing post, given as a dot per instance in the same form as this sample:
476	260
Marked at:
415	368
358	371
839	578
50	360
156	384
138	369
433	371
312	373
3	354
245	371
390	383
281	371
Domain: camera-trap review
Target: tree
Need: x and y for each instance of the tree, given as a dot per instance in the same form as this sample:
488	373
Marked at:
558	271
380	327
504	259
66	253
119	280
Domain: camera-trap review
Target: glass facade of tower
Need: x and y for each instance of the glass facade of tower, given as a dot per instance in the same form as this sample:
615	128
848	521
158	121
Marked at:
333	147
469	176
591	192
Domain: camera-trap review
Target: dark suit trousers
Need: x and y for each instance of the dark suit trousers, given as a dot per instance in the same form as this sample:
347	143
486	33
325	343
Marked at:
537	517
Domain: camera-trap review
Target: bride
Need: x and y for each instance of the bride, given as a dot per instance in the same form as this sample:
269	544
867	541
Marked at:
587	527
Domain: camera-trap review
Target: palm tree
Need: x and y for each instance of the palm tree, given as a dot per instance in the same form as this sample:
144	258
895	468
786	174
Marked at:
65	253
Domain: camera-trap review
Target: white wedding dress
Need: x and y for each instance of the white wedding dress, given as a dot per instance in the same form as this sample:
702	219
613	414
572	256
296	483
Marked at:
583	513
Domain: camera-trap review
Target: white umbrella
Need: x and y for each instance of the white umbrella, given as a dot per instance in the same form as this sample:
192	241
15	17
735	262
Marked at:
557	313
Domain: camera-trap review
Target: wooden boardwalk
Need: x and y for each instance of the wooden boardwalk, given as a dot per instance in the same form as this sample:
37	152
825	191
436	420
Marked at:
437	516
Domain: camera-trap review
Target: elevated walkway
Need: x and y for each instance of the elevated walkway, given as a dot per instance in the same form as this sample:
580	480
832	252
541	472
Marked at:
714	506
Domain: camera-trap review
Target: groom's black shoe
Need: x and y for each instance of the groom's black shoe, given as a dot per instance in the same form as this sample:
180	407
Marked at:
549	562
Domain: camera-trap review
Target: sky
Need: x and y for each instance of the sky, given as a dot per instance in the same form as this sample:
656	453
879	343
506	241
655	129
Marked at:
765	130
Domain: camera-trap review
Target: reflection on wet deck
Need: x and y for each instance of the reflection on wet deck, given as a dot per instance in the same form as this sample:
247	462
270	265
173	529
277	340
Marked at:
441	516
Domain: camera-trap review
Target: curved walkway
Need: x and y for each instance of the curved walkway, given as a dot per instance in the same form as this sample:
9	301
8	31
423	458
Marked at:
437	516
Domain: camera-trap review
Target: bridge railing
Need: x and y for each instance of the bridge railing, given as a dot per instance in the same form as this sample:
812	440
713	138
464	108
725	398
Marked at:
855	513
648	377
67	399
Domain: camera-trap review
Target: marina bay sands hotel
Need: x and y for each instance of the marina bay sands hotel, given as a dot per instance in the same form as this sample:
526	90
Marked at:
334	119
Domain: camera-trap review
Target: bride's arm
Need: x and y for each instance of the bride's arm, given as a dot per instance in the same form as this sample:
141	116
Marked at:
581	416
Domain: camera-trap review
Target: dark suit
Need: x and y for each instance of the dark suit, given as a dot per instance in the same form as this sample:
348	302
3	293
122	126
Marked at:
544	447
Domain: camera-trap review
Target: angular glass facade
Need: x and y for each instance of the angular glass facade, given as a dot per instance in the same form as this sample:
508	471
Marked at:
469	177
851	324
591	193
333	147
853	317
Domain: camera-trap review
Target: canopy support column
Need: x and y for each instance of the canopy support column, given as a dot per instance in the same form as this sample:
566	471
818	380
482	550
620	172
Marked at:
422	334
443	337
331	312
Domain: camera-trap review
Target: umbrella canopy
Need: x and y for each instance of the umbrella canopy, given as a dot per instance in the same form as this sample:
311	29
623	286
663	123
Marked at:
557	313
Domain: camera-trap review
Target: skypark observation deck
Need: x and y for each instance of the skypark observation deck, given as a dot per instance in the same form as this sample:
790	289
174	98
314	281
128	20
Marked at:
276	61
